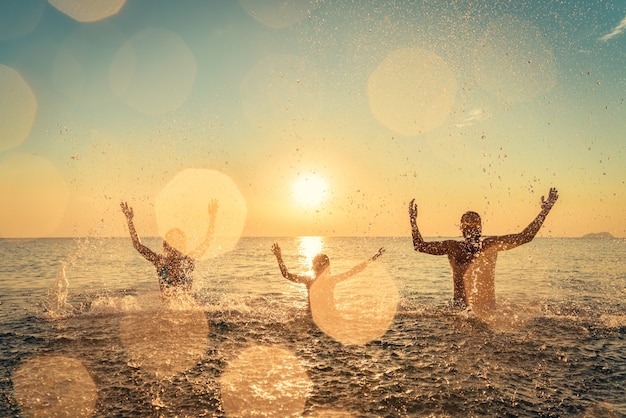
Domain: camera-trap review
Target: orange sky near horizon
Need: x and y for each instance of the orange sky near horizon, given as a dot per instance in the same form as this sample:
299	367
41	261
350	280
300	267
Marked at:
462	107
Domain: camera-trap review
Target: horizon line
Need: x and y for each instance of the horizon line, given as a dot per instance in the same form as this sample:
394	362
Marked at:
591	235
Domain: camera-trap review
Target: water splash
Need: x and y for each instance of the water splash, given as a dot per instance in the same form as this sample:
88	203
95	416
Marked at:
56	304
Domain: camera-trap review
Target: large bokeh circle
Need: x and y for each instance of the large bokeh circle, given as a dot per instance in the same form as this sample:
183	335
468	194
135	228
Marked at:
183	205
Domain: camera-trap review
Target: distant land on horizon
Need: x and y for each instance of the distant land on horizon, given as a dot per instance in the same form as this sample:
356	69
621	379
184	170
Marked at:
598	235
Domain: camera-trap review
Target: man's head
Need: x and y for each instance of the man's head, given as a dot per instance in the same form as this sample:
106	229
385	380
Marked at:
471	225
320	263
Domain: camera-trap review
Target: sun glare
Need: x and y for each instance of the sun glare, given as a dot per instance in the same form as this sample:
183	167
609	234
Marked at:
308	248
310	190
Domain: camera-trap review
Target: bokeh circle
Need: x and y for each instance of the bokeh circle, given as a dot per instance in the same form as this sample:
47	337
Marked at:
412	91
183	205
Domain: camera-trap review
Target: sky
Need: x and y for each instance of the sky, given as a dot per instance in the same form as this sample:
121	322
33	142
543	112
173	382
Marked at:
311	117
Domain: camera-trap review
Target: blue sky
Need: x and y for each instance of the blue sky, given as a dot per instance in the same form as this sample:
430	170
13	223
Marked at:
462	106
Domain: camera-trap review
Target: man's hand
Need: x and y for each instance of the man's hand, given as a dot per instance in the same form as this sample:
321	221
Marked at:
128	211
412	210
552	198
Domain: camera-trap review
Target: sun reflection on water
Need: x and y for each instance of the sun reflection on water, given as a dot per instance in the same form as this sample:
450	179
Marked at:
265	381
308	248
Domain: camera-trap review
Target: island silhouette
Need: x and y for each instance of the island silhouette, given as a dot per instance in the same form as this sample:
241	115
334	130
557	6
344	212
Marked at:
598	235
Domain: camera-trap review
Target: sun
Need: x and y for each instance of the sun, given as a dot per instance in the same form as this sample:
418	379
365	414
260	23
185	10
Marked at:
310	190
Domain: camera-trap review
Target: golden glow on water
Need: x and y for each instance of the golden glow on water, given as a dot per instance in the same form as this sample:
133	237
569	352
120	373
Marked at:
183	204
88	10
35	196
308	248
264	381
329	413
412	91
54	386
165	341
18	107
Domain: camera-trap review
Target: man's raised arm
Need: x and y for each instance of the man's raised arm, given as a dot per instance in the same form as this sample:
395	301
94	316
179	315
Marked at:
204	246
507	242
433	248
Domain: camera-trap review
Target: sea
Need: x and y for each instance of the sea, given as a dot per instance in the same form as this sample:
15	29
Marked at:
84	331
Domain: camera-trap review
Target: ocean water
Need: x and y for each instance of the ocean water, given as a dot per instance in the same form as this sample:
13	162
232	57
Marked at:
84	332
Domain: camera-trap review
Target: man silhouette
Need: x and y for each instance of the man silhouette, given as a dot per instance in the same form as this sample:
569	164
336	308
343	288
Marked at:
473	260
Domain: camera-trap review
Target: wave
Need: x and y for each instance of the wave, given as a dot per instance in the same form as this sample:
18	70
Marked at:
277	309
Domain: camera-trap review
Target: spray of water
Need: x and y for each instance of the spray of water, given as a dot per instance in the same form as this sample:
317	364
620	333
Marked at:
56	304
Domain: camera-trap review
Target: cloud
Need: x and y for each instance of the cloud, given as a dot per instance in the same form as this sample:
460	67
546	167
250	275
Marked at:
475	116
617	30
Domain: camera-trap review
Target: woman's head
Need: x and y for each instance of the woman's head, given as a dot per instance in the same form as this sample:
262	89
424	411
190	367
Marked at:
175	241
320	263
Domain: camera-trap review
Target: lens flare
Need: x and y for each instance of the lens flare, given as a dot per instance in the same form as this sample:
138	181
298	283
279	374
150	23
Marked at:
183	204
18	107
412	91
264	382
88	10
36	195
165	341
54	386
357	310
18	21
154	72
